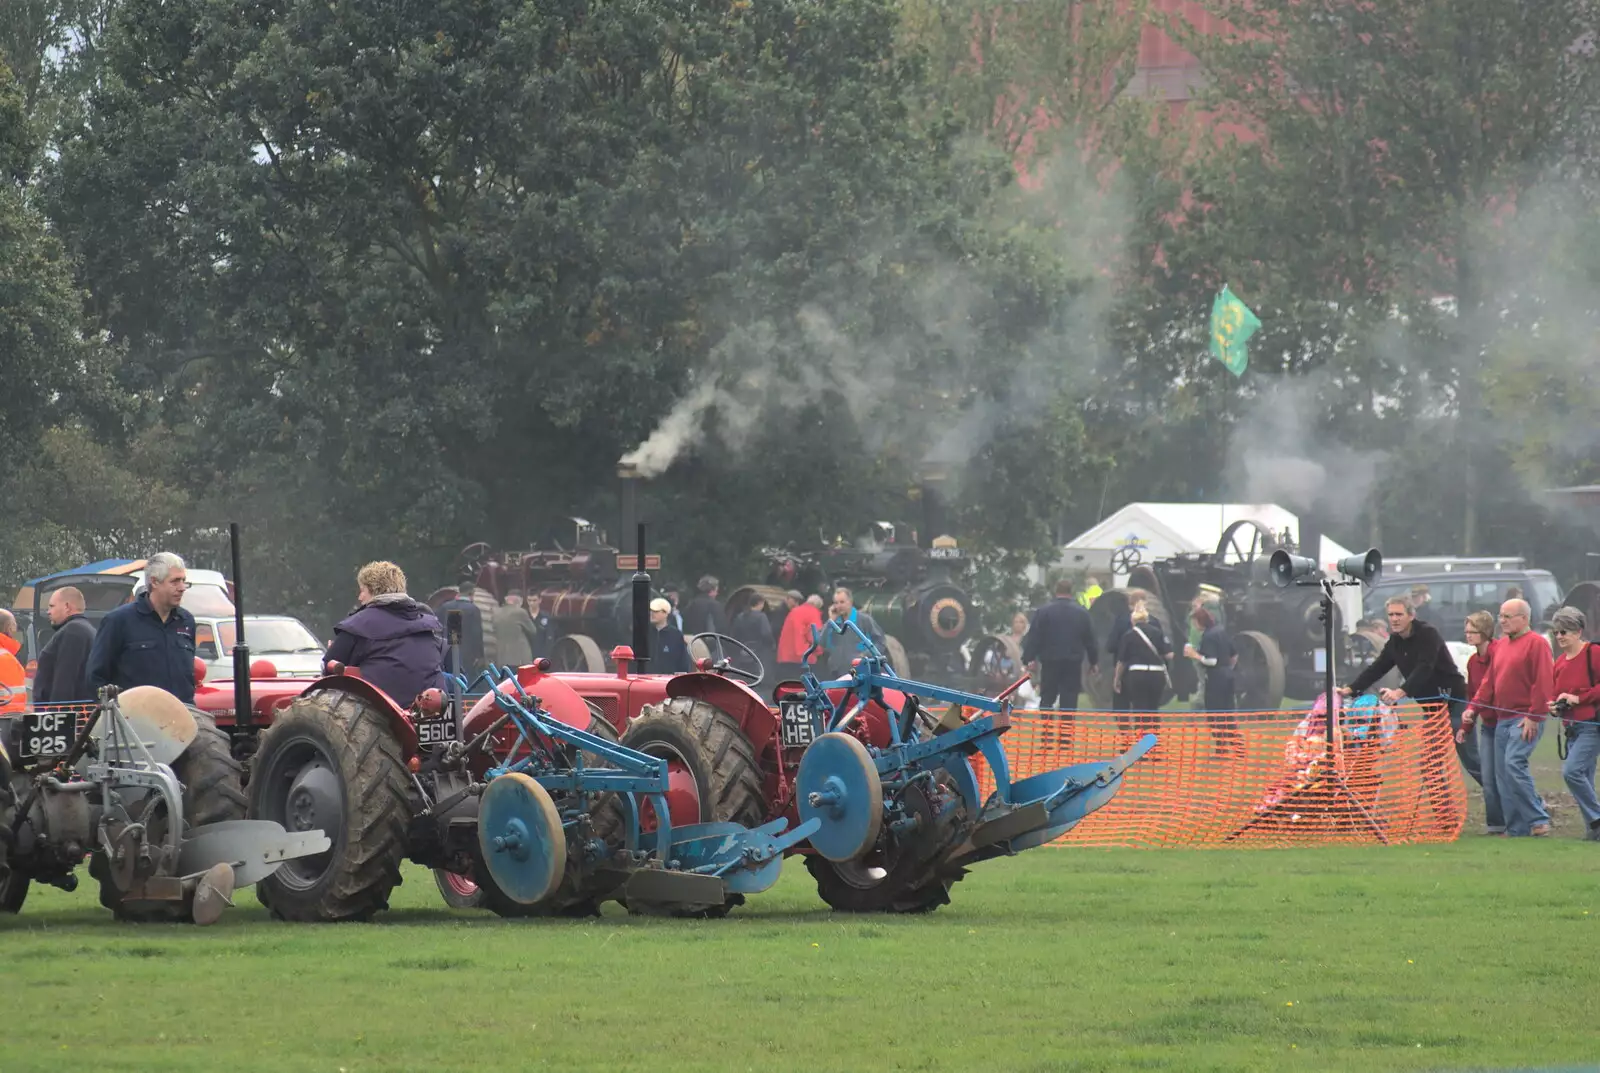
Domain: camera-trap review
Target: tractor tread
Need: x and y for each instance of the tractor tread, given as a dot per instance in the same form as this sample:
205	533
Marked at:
370	850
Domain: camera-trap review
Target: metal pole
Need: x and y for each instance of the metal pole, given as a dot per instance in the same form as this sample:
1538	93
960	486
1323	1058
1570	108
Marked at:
641	610
452	631
1327	657
243	717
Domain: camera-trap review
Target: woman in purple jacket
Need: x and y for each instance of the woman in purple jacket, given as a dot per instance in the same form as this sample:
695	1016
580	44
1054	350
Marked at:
393	641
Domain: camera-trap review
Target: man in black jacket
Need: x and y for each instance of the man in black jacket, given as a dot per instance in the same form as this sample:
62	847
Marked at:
704	614
1429	671
1059	639
63	673
472	651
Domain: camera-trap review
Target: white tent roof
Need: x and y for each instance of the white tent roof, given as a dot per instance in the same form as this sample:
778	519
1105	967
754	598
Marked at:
1160	530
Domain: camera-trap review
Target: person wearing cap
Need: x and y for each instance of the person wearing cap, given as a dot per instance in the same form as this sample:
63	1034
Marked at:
704	614
1421	597
1577	688
671	655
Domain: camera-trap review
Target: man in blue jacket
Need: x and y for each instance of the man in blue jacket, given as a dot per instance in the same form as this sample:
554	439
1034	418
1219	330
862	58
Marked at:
149	642
1059	639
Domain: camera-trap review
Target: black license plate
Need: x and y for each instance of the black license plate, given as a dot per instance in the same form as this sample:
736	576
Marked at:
799	727
47	736
436	731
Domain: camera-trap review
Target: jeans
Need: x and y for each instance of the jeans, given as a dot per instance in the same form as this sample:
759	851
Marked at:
1583	748
1507	770
1466	749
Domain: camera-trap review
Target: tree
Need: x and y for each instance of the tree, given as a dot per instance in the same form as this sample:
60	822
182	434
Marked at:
1387	143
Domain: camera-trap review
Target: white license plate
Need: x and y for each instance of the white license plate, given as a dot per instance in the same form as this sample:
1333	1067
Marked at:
1320	660
799	728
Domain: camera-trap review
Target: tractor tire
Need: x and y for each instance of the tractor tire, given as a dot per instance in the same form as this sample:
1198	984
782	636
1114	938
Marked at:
13	890
213	792
574	897
364	808
458	891
904	878
710	746
13	887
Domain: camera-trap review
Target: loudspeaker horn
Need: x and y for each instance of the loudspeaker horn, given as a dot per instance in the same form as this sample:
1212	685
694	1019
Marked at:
1364	567
1285	568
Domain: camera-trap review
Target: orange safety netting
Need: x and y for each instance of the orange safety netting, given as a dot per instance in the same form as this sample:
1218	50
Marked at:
1255	778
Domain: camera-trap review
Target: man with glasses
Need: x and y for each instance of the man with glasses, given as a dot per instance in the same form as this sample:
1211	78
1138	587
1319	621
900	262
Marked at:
1512	702
149	642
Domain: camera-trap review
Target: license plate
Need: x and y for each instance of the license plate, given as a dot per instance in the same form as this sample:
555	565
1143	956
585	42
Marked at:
944	553
799	728
435	731
45	736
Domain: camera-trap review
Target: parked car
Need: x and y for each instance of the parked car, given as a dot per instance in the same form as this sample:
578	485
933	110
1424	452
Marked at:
109	584
285	642
1458	587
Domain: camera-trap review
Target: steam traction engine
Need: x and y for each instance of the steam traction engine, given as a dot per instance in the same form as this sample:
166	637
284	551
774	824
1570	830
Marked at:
582	588
1278	632
910	591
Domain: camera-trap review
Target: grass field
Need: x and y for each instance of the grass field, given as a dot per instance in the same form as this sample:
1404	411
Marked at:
1475	955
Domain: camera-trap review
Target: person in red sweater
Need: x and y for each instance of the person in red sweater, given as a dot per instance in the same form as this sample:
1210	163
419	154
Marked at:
1480	633
795	637
1519	681
1577	689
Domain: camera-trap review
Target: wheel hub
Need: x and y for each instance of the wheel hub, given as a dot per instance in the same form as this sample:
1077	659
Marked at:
313	801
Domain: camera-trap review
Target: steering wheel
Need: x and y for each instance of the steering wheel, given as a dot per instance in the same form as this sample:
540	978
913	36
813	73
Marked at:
723	665
471	559
1125	558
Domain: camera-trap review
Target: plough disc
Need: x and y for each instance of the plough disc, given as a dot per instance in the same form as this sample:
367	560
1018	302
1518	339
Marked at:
838	784
521	838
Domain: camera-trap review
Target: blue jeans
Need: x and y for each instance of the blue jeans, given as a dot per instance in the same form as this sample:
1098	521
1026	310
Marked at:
1505	766
1467	748
1583	749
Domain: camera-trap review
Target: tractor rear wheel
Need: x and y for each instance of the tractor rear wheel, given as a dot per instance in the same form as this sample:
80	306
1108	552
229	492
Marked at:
712	771
901	875
213	791
331	762
13	887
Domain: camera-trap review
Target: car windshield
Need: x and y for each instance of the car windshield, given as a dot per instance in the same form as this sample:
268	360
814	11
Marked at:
271	635
207	601
1545	596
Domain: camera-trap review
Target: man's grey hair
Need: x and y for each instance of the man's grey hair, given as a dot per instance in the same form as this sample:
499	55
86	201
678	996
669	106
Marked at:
1518	607
162	563
1399	601
1569	618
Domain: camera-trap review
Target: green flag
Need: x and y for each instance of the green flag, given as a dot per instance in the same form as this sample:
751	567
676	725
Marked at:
1232	325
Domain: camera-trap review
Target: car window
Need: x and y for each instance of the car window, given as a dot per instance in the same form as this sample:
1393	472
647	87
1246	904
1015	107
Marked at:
1544	596
272	635
205	642
206	600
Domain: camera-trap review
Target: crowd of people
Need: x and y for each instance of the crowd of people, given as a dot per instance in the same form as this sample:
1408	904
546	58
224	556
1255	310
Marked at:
1514	687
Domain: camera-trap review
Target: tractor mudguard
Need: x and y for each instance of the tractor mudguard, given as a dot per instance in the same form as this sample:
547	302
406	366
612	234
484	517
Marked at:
556	698
735	698
405	733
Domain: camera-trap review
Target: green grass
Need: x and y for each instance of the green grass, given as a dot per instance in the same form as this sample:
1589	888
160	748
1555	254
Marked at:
1473	955
1478	954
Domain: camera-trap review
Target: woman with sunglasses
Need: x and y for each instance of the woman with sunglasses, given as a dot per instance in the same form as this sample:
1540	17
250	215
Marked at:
1577	689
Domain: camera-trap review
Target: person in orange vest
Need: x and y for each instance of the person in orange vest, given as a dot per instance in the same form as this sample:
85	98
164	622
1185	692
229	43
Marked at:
13	680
